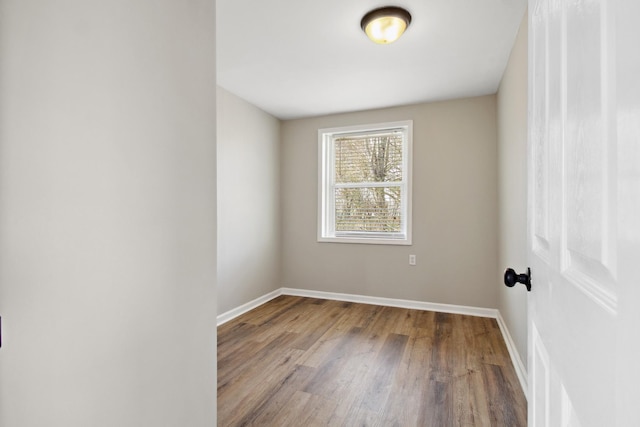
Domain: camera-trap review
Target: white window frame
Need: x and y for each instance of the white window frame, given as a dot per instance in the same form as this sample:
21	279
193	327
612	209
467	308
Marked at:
326	186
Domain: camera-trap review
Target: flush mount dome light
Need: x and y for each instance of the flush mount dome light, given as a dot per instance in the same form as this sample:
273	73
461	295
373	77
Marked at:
385	25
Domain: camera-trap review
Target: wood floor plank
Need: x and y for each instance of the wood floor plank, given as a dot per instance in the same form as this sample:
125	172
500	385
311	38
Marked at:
298	361
274	398
235	335
240	391
277	306
442	355
347	371
310	332
424	319
386	364
410	382
232	369
470	406
437	409
294	411
503	407
318	411
352	315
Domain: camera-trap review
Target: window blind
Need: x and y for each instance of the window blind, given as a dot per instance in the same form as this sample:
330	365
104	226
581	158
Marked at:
367	182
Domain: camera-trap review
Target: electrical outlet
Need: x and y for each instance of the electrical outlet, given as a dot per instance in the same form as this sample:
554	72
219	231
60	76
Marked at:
412	260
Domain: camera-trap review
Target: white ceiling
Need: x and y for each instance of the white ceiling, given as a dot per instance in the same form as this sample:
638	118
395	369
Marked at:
300	58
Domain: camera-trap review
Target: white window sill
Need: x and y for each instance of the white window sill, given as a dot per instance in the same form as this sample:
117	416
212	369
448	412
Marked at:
365	241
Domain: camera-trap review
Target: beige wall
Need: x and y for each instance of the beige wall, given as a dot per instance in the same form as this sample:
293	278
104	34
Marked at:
454	210
107	213
249	253
512	147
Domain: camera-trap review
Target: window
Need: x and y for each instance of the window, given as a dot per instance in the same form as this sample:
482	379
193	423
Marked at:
365	184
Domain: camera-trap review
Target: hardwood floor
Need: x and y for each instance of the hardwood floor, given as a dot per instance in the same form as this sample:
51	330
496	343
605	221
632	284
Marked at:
305	362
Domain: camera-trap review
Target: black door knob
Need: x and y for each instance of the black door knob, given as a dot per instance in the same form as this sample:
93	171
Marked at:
511	278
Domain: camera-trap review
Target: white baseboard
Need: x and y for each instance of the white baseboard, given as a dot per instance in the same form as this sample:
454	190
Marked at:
493	313
521	371
235	312
392	302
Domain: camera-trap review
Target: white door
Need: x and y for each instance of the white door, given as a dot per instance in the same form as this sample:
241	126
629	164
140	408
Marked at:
584	212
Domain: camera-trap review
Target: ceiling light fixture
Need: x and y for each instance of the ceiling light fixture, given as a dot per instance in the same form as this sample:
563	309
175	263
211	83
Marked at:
386	24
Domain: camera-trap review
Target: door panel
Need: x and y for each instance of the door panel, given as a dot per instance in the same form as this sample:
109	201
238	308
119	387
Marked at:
589	240
539	182
582	238
539	373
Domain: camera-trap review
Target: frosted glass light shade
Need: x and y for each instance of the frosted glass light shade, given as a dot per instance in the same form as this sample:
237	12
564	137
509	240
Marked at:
385	25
